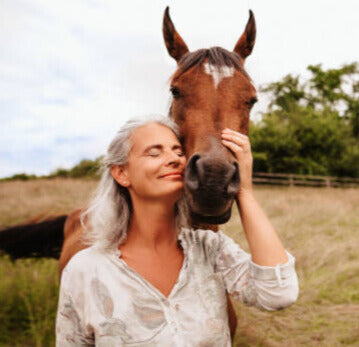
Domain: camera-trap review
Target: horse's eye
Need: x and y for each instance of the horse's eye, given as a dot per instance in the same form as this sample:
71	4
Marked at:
175	92
252	101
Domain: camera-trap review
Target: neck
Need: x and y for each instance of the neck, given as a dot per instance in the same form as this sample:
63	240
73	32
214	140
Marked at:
152	225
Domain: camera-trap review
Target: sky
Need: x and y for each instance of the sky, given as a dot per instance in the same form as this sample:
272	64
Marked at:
73	71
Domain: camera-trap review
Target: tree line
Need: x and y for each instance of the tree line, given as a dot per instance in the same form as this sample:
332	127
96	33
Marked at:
311	127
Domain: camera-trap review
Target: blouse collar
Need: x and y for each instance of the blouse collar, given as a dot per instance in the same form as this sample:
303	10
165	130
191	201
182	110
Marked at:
181	239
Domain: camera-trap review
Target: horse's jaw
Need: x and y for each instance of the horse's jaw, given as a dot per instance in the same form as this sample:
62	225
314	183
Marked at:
213	220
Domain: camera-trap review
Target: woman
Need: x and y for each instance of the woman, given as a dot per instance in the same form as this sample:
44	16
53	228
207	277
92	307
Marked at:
146	279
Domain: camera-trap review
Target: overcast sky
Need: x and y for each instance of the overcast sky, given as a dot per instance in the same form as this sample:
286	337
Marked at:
72	71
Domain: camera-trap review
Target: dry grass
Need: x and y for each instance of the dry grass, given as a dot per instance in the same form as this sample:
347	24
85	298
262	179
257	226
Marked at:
22	200
320	227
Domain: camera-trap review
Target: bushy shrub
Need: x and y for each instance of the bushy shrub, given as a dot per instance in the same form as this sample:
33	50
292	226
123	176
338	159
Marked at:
310	127
86	168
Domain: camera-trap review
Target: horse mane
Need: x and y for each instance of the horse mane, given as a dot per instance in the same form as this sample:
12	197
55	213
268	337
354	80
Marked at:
216	56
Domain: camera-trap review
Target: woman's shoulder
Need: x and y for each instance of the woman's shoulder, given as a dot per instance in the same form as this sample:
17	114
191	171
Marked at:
83	260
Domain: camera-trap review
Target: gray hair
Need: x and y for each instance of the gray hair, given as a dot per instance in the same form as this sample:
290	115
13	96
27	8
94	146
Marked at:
107	218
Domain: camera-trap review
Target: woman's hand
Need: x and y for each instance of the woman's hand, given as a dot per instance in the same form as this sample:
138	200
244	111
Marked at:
240	146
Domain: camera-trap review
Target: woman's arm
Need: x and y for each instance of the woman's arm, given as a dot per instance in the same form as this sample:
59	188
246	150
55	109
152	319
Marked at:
265	246
267	287
264	243
266	278
70	329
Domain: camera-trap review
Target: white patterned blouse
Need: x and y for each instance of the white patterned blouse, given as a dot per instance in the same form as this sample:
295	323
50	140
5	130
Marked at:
104	302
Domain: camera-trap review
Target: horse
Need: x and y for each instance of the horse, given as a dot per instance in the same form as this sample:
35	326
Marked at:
210	91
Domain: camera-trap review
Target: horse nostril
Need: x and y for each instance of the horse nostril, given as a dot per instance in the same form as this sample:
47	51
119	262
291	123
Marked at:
233	184
191	178
223	177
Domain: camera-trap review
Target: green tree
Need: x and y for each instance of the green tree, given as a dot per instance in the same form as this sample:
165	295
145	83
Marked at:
312	126
85	168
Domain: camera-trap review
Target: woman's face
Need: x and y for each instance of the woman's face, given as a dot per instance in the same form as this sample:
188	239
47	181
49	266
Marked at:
156	164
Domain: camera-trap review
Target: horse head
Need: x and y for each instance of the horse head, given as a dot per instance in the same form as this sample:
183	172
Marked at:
211	91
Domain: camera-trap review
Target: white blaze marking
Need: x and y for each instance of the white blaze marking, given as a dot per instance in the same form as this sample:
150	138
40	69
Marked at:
218	72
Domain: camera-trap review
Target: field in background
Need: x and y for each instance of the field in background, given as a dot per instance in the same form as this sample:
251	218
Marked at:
319	226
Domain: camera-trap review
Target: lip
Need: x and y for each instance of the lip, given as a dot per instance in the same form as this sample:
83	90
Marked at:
173	174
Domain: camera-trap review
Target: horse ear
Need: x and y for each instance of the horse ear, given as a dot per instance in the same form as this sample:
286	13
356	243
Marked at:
176	47
245	44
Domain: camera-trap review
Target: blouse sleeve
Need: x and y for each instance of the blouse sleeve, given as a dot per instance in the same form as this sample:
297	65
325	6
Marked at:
267	287
70	330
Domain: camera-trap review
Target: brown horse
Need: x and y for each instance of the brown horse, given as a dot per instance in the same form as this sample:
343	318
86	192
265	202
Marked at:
211	91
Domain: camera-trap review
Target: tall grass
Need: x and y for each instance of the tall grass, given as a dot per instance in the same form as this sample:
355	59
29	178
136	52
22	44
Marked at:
320	227
28	300
29	287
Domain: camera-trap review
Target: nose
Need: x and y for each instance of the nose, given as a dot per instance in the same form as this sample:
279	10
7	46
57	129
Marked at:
173	159
216	174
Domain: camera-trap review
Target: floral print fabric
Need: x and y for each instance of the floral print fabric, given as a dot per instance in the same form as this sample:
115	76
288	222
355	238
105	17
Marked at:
104	302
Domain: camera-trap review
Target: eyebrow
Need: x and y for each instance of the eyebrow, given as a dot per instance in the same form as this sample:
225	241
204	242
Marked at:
159	146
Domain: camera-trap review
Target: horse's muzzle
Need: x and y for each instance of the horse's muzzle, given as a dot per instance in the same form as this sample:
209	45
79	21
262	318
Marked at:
211	184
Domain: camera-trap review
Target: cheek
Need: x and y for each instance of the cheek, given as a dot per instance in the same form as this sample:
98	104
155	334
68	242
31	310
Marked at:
244	123
145	171
238	120
178	112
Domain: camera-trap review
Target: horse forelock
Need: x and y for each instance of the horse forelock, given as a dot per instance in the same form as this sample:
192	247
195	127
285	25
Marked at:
214	56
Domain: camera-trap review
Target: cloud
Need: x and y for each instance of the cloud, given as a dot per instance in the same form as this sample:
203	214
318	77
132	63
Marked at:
72	72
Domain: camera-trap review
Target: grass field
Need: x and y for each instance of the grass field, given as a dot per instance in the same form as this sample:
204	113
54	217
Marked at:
319	226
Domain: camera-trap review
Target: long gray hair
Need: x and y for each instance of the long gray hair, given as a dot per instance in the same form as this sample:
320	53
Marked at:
108	216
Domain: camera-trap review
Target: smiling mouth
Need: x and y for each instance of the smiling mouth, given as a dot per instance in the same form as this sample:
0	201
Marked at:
174	174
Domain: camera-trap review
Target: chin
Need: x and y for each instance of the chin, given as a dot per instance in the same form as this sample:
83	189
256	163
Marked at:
170	191
178	193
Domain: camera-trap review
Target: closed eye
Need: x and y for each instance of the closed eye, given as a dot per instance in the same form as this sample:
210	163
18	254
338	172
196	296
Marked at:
154	153
180	153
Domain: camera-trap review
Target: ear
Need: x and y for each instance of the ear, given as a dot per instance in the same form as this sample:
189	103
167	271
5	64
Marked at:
119	174
176	47
246	42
